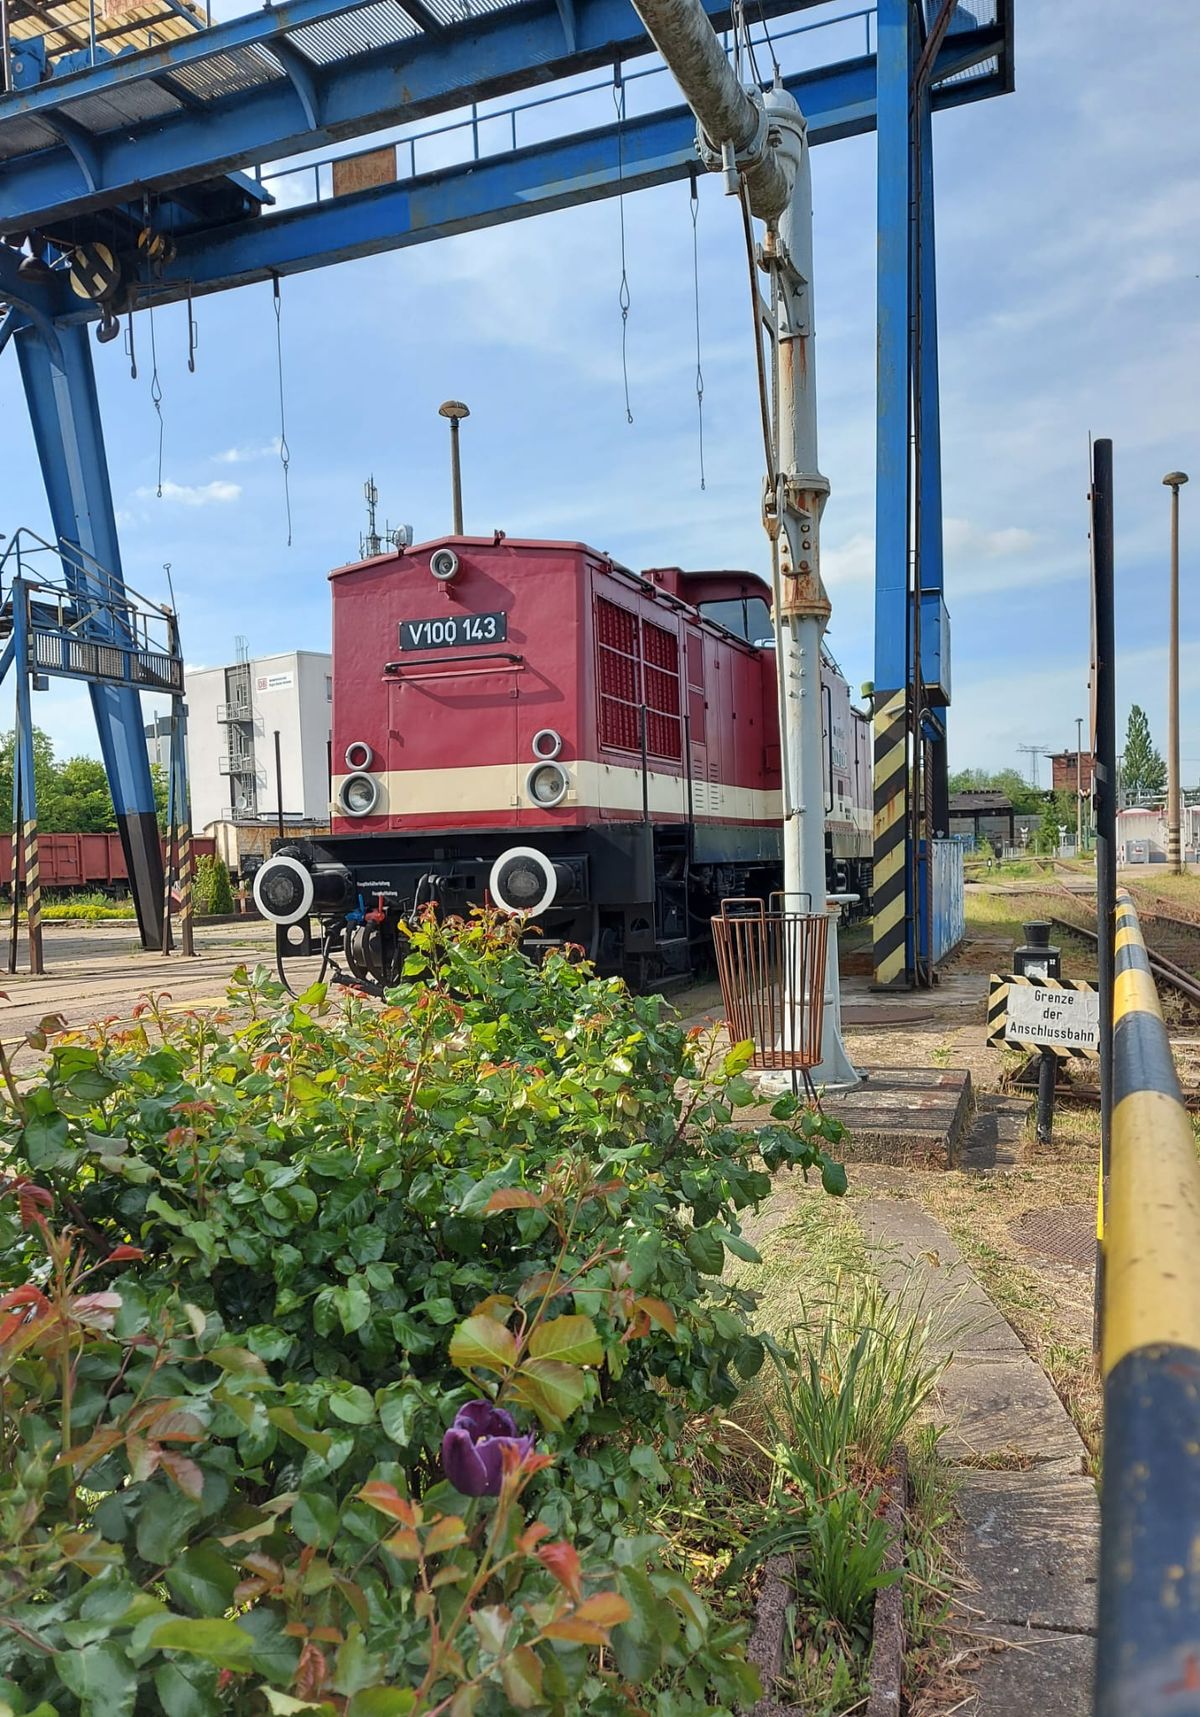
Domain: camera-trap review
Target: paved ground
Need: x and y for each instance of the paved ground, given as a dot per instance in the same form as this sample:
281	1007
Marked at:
96	970
1030	1519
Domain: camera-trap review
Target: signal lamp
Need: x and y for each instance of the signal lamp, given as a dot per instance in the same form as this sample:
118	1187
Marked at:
547	784
359	795
359	755
546	743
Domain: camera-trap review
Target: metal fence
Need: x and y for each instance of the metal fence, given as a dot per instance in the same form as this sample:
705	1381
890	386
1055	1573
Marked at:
1148	1650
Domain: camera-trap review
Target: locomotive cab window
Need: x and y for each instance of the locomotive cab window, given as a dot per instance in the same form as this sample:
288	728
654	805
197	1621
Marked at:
747	617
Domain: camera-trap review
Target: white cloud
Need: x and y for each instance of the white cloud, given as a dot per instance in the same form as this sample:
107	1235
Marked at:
246	455
960	536
194	494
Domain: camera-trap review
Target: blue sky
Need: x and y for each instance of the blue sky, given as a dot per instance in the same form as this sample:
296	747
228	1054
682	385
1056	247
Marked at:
1069	253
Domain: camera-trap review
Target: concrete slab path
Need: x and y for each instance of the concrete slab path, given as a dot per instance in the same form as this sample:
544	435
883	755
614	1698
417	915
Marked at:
1030	1518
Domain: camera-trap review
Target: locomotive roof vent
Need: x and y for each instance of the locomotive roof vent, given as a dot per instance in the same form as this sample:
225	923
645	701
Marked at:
359	794
546	743
445	565
547	784
359	755
525	880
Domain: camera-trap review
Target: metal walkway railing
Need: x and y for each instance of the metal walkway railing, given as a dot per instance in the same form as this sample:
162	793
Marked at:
1148	1655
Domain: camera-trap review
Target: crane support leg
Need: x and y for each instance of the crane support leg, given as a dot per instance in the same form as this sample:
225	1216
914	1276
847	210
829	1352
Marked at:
892	886
60	388
929	430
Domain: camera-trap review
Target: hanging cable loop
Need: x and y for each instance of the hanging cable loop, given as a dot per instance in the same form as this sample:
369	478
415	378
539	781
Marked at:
156	393
285	456
623	295
695	190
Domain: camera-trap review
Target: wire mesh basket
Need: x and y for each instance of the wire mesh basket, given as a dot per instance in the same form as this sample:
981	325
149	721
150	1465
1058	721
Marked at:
771	964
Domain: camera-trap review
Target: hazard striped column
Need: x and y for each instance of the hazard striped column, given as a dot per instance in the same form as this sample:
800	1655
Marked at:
1148	1646
33	895
184	838
890	881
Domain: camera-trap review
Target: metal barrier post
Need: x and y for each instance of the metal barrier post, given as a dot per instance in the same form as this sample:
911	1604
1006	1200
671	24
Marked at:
1148	1646
1104	777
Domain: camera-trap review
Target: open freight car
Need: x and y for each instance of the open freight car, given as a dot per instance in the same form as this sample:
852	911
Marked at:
75	864
533	724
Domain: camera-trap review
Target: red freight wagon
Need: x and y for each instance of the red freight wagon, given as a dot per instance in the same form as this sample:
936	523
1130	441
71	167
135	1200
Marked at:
80	862
534	724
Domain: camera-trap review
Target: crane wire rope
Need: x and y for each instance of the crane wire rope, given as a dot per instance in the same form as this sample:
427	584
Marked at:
623	296
695	194
285	456
156	393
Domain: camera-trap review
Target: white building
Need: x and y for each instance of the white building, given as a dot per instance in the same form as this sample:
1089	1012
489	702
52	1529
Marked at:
234	714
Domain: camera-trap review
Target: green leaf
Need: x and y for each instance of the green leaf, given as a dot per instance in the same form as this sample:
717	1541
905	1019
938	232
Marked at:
740	1248
704	1249
645	1461
738	1058
382	1702
739	1091
203	1580
521	1673
353	1405
833	1177
748	1356
398	1408
101	1676
552	1389
355	1668
44	1140
315	1519
353	1306
165	1520
481	1342
286	1420
571	1339
212	1638
284	1704
187	1693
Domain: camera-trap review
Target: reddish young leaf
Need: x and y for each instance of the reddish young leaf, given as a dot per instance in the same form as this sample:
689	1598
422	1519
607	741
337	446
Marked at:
581	1633
605	1609
562	1560
121	1254
513	1198
387	1499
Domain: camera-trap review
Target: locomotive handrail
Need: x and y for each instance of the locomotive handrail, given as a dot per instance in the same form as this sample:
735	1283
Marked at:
515	663
1148	1642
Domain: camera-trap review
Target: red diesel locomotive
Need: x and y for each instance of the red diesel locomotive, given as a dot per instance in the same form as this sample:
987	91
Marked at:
533	724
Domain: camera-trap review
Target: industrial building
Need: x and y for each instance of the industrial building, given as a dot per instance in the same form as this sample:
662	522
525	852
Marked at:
1072	771
984	815
241	718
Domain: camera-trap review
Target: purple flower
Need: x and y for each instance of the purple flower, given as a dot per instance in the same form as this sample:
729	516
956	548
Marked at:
473	1448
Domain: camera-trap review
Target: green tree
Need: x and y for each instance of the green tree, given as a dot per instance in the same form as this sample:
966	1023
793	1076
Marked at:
213	894
1020	794
158	776
83	803
45	780
1143	771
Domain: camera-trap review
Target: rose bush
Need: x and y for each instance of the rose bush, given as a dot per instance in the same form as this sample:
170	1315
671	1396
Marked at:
332	1232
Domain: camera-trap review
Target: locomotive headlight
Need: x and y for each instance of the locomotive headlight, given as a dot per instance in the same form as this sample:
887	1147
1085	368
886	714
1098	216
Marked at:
359	795
547	784
444	564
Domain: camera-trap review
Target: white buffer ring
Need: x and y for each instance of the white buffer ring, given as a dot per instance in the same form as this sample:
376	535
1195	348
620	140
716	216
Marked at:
541	863
284	861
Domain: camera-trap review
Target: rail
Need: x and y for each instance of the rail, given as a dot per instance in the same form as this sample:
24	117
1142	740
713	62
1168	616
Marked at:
1148	1649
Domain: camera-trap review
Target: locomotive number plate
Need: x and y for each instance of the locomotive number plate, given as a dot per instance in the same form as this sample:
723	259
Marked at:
450	630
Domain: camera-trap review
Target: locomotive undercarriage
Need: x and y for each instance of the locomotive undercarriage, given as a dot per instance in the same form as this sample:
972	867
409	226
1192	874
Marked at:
630	894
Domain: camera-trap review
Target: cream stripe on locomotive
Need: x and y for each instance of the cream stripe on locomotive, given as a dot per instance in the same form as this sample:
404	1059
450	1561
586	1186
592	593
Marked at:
500	787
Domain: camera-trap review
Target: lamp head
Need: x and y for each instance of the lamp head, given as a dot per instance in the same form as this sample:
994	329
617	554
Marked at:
454	409
1175	479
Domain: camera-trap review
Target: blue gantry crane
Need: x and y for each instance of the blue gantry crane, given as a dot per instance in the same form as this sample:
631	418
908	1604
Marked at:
136	159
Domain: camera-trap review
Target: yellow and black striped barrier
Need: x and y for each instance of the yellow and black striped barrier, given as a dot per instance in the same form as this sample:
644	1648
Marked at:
1148	1648
889	882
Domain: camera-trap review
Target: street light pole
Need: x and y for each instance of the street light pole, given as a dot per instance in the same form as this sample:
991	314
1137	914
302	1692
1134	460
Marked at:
455	410
1174	481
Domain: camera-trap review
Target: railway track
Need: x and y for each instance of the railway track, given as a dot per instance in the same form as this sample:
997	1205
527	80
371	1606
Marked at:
1183	979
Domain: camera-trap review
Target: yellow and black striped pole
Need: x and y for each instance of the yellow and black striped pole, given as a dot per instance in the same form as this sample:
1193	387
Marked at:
890	877
33	896
183	834
1148	1647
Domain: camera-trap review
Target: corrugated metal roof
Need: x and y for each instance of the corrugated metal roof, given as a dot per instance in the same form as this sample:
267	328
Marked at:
67	24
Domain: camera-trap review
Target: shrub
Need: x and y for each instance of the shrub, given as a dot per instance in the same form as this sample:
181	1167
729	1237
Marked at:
212	892
341	1225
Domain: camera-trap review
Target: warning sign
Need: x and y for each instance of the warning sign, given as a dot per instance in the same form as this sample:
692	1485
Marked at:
1062	1014
1069	1019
